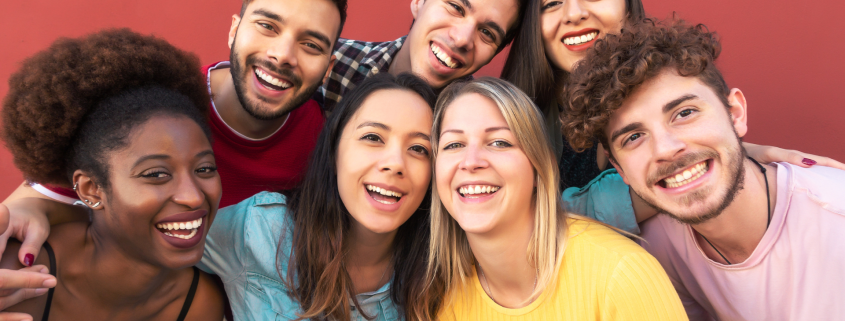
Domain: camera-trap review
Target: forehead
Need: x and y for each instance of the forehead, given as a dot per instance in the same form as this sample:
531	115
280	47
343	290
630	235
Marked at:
472	110
647	101
502	12
399	109
322	15
168	135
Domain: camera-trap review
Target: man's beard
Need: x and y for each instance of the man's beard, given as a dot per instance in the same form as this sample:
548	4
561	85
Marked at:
252	106
736	173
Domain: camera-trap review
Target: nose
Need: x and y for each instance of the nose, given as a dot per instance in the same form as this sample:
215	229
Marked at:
462	35
283	51
474	159
393	161
574	11
188	193
667	145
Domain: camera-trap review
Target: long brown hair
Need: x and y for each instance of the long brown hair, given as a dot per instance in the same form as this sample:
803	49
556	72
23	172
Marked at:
527	65
316	275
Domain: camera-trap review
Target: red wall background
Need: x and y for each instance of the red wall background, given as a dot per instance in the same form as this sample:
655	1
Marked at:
785	55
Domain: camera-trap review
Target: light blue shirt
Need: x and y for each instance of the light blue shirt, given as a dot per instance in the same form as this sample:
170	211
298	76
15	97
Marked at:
605	199
242	247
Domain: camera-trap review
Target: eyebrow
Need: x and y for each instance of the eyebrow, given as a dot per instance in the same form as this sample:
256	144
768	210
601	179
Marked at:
672	104
320	36
420	135
313	33
163	156
373	124
490	24
623	130
492	129
268	15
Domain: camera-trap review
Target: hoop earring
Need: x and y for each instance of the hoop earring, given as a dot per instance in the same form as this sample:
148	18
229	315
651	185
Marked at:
92	205
75	185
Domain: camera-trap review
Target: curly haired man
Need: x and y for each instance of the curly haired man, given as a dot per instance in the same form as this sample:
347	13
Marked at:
740	240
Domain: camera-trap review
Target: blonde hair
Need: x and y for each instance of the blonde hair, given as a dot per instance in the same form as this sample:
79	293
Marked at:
450	257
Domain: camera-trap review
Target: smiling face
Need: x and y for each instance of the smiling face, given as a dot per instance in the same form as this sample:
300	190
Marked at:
451	39
571	27
383	161
280	53
677	146
164	192
483	178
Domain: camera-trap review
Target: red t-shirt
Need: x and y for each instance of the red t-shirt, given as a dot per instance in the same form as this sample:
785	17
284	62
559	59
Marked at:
248	166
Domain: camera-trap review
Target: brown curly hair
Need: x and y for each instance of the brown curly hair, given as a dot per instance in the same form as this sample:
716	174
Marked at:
619	64
79	98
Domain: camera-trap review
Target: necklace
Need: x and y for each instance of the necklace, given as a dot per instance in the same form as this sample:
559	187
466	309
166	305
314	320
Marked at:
490	292
768	209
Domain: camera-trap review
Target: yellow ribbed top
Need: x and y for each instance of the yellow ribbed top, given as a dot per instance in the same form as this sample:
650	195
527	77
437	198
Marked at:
604	276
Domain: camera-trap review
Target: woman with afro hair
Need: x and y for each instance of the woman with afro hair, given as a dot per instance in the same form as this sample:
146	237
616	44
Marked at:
121	118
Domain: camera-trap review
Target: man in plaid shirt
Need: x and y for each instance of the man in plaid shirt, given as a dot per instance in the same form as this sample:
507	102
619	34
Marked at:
449	40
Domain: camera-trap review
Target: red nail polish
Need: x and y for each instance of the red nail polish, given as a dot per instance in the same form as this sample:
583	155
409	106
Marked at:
27	259
808	162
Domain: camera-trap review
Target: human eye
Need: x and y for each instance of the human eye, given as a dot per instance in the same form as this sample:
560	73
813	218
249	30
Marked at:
266	26
457	8
372	138
685	113
206	169
549	5
489	35
155	174
314	46
452	146
501	144
419	149
631	138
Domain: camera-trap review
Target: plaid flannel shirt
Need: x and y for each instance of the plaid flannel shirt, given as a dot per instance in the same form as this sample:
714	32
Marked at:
356	60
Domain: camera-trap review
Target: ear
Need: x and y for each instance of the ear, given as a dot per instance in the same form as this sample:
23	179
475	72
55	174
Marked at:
89	192
233	29
617	167
416	6
331	66
738	111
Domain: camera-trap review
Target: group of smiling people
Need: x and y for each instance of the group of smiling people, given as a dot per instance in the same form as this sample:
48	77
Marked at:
426	194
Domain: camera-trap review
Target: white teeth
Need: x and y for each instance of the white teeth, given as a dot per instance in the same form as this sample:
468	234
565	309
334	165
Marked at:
443	56
577	40
477	189
687	176
270	79
184	237
181	225
383	192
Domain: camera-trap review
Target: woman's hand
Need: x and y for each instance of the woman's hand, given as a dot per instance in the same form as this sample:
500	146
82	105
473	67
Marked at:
771	154
27	222
19	285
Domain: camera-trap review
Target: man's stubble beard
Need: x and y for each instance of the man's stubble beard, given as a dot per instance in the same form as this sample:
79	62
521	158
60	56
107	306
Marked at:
736	173
239	79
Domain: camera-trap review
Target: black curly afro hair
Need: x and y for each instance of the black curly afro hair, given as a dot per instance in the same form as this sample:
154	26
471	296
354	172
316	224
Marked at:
80	98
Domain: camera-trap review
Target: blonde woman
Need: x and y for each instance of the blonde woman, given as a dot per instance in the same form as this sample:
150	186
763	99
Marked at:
502	248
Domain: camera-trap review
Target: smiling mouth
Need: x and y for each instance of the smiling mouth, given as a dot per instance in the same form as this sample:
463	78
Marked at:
580	39
382	195
182	230
443	58
271	82
689	175
476	191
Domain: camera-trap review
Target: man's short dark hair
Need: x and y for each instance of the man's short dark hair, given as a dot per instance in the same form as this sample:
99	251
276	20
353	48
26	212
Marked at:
341	7
619	64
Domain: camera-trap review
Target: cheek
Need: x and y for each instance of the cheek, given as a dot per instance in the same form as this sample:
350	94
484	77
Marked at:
444	172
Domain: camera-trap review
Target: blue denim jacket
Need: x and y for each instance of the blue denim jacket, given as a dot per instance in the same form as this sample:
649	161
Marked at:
242	247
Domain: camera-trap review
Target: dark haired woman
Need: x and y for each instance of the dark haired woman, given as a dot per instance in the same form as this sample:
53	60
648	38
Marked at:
351	242
106	115
556	34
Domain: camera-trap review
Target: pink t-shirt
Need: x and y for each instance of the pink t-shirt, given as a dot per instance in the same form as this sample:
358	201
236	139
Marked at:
797	272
